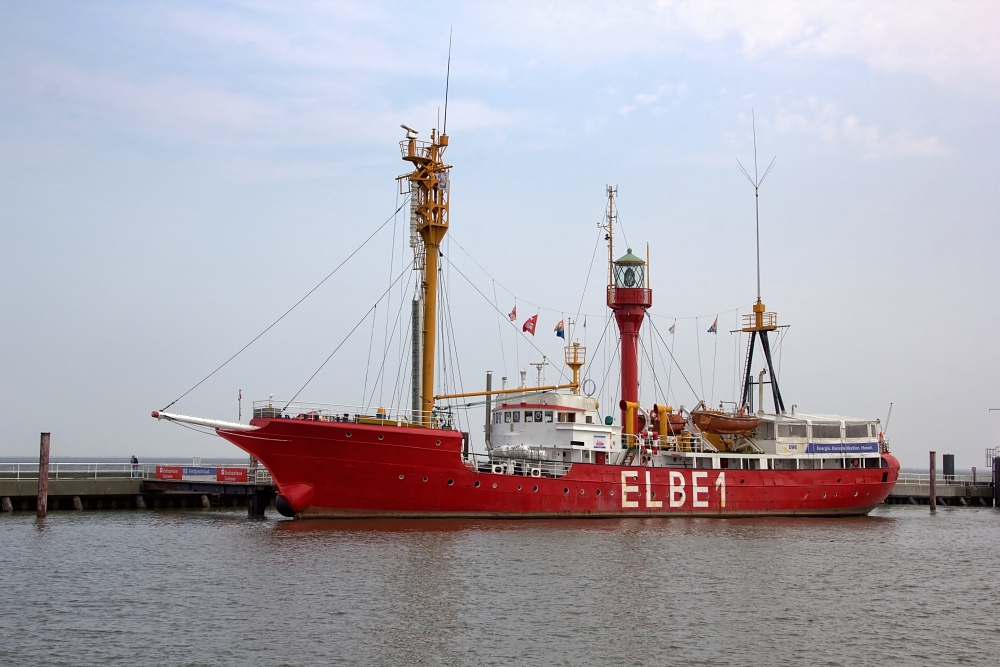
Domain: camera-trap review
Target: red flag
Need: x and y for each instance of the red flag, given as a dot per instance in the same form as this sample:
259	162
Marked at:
529	324
513	314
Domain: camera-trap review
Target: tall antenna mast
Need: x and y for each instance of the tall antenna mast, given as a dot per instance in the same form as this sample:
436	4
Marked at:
756	182
447	82
759	322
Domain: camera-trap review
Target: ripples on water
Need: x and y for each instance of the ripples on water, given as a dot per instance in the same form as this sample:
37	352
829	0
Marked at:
213	588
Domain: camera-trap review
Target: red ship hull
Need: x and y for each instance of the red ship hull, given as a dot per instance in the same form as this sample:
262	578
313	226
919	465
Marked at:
340	470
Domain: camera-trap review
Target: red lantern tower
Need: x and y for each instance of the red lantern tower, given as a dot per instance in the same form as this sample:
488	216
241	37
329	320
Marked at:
628	296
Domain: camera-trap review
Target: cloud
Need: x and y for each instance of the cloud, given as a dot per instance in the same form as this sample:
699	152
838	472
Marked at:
956	44
838	130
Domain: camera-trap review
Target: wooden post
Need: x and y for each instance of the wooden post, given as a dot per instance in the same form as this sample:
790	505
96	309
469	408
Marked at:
996	481
489	407
43	475
933	490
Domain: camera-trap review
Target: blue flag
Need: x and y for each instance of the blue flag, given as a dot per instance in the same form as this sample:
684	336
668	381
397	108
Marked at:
560	332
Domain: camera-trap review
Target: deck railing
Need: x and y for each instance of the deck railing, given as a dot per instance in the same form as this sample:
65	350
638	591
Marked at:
518	467
332	412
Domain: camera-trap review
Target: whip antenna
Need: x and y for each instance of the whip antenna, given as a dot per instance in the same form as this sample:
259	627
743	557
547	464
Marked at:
756	182
447	81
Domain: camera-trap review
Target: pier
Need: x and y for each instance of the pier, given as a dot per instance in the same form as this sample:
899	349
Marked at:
959	490
86	486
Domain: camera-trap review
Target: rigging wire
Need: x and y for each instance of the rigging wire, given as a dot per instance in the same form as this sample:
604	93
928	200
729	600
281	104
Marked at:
379	381
697	334
649	361
486	298
715	356
368	365
503	354
370	310
294	306
672	358
586	282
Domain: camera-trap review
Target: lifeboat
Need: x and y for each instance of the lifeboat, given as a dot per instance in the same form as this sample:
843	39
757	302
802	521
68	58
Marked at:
721	423
675	423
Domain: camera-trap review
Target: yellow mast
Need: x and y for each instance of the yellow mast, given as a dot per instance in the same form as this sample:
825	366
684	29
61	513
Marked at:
429	186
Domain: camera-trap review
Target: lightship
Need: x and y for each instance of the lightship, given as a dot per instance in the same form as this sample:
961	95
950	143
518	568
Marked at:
549	451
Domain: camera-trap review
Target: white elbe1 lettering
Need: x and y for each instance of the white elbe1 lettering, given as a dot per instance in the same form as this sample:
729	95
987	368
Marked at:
698	490
626	489
720	486
677	494
649	494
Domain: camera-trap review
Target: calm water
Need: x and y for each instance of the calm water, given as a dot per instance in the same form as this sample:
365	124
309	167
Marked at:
213	588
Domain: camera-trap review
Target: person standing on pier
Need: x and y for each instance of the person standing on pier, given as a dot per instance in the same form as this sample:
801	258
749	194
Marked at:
135	466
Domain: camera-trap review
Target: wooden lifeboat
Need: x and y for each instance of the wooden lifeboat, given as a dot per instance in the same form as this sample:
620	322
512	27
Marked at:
713	421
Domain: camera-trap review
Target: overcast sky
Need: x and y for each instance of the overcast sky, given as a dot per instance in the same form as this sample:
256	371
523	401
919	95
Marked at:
174	176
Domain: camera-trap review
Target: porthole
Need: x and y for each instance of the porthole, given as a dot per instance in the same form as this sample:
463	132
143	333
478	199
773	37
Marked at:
494	485
612	492
438	442
535	489
652	494
824	494
425	479
450	482
834	494
855	494
348	434
518	487
838	480
598	492
566	490
581	492
867	493
477	483
381	437
741	481
402	476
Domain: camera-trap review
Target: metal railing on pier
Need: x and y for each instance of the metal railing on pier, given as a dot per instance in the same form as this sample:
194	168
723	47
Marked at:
924	478
255	474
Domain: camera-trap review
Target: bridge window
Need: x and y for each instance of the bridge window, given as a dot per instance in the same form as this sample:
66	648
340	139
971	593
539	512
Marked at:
548	417
497	417
590	419
516	416
527	416
506	417
833	464
538	416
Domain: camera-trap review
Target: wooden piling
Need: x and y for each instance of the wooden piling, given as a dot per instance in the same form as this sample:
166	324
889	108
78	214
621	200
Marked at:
77	503
43	475
205	502
933	489
996	481
6	505
140	503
